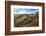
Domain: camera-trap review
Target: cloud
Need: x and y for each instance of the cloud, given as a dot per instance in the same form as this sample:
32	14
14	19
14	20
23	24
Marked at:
25	11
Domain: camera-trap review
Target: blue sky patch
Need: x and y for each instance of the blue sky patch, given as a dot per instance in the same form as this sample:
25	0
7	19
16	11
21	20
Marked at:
25	11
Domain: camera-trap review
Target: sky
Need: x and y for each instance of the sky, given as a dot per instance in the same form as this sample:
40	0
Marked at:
25	11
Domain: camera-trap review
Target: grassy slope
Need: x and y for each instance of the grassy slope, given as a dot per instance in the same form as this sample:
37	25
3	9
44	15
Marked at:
24	25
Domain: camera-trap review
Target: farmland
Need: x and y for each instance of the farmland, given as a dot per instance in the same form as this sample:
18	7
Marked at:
26	20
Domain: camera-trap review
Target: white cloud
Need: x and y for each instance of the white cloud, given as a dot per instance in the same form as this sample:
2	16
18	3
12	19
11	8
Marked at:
25	12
